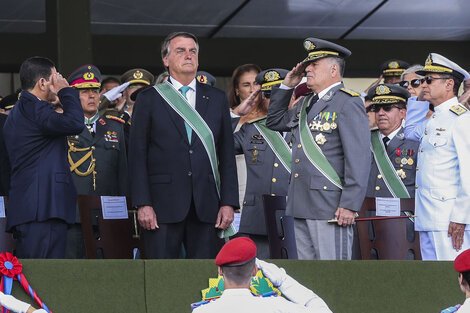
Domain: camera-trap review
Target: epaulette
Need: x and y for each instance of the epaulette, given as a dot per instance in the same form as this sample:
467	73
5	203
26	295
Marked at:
256	119
350	92
458	109
115	118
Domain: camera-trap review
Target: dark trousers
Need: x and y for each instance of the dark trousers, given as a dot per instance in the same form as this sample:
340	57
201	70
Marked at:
41	240
199	239
75	245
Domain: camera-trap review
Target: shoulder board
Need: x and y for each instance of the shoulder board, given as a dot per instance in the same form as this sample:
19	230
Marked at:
458	109
350	92
256	119
115	118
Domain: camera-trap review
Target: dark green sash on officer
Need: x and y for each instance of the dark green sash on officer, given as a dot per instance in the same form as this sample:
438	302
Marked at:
181	106
277	144
313	151
386	168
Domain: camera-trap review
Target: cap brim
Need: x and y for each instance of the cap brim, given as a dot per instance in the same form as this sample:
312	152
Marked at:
87	85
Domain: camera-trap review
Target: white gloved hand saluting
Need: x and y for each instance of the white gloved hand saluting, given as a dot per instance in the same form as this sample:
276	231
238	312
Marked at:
13	304
116	92
290	288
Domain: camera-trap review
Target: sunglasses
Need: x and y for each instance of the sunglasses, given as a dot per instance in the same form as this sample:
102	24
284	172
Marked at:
429	79
386	108
414	83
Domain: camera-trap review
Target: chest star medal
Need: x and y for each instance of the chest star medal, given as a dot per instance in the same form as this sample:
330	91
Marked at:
320	139
401	173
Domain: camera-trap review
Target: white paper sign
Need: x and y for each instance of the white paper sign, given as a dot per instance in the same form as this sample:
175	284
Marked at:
114	208
2	207
387	206
236	221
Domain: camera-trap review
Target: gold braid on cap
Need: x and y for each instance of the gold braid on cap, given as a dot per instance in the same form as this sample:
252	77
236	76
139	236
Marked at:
387	99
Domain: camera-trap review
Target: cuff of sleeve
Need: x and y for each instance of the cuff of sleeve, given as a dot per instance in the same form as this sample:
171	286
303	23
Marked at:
282	86
233	115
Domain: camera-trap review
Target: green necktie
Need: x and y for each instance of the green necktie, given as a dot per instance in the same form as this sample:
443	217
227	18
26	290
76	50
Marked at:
184	91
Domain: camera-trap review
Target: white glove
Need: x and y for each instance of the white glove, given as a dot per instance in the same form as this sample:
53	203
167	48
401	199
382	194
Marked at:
116	92
290	288
40	311
13	304
277	275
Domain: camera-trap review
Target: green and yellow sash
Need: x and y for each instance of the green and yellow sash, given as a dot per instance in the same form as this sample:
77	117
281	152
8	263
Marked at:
277	144
181	106
386	168
313	151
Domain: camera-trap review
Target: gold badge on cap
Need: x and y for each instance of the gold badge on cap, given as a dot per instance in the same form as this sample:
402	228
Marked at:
271	76
202	79
428	60
382	90
393	64
308	45
138	75
88	76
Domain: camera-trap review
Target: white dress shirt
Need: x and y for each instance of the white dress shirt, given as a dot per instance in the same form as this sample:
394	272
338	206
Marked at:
190	94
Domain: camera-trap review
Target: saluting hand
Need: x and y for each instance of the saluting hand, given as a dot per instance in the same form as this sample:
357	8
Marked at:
57	83
246	105
147	217
294	77
224	217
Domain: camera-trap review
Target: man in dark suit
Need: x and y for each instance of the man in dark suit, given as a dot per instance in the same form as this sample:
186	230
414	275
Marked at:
42	194
183	183
4	161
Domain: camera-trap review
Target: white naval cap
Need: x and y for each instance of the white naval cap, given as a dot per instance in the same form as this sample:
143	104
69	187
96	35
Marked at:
436	63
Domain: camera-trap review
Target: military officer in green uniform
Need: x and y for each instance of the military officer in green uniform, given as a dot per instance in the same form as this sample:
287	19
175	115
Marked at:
268	161
330	152
393	167
97	156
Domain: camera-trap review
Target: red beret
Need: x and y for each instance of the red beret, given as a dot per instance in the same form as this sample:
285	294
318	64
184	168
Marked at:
462	262
236	252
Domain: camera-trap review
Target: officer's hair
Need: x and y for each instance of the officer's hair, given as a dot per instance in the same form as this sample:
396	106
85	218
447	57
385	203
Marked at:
33	69
412	70
110	79
166	43
341	63
457	83
466	278
239	275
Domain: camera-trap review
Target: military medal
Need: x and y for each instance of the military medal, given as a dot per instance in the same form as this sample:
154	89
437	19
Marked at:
398	160
253	159
320	139
401	173
255	152
404	161
326	125
333	124
410	161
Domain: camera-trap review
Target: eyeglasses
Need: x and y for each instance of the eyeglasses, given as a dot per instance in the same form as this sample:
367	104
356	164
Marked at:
387	108
429	79
414	83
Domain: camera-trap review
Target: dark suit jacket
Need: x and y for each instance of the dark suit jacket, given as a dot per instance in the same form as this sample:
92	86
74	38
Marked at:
35	136
167	171
4	161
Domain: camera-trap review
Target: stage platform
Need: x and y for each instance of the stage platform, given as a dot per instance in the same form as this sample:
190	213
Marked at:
154	286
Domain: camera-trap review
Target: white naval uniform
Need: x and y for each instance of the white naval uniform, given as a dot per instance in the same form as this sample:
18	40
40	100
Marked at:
443	175
242	300
465	308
